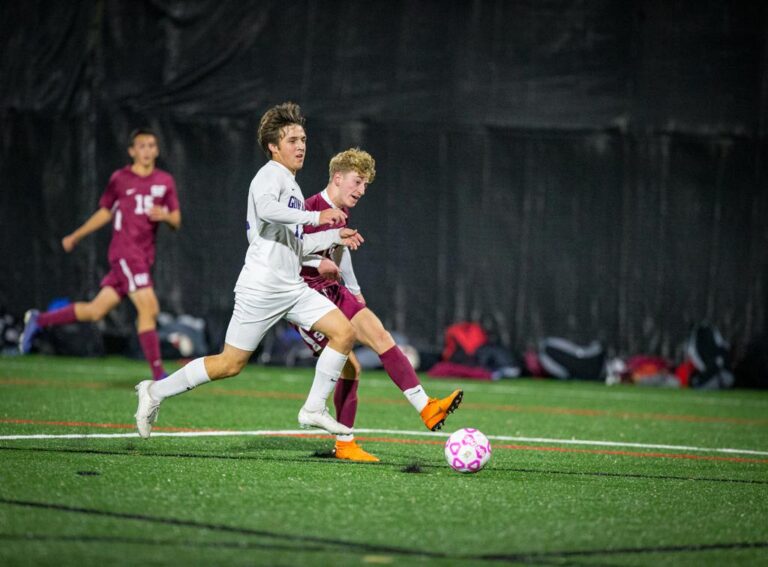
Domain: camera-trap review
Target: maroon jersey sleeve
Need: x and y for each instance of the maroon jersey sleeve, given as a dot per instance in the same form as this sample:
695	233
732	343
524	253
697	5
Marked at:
110	195
315	203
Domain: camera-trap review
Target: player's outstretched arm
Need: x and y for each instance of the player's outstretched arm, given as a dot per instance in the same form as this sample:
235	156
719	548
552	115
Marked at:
162	214
319	241
95	222
348	274
350	238
332	217
271	210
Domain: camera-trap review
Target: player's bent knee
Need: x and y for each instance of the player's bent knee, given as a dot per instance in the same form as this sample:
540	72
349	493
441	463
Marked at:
149	312
345	337
350	373
231	365
229	362
223	366
232	368
339	331
383	340
91	313
223	370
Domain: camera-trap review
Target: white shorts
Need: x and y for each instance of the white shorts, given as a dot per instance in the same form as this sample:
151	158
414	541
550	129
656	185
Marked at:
255	314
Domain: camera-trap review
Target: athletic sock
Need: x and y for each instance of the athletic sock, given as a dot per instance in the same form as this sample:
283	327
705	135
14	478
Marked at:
187	378
402	373
345	400
417	397
62	316
150	345
327	371
399	369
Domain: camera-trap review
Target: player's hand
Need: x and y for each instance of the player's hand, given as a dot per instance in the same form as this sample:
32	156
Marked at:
68	243
329	270
158	214
351	238
332	217
360	298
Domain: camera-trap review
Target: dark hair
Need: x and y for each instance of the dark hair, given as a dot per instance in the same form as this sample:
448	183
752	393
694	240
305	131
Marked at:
274	120
143	131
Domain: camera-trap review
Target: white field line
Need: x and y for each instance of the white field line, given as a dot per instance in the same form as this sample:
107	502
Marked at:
267	433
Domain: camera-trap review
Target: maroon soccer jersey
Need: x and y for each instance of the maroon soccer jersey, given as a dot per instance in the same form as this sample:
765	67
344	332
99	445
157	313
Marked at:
130	198
313	278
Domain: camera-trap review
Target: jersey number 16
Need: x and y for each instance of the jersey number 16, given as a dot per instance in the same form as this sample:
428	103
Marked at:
143	204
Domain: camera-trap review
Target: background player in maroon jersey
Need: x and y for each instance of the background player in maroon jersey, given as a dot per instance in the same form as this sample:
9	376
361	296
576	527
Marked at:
137	199
350	172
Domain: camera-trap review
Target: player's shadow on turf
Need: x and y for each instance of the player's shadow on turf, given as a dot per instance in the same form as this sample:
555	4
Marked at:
283	443
136	450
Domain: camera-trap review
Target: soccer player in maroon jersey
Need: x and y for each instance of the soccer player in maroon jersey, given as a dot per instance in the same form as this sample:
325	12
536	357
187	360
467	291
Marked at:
350	172
137	199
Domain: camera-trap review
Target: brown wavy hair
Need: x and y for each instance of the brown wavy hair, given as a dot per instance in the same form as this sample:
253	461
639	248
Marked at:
275	120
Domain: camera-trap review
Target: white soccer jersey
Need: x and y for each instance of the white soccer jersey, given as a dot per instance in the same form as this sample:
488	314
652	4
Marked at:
276	240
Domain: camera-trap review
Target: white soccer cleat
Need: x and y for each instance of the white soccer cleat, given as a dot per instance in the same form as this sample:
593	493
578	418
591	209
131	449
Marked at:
322	420
146	413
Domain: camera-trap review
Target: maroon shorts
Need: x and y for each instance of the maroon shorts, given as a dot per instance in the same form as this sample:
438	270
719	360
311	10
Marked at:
347	304
127	276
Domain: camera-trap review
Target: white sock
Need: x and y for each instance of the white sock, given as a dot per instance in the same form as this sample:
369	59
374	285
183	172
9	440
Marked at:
186	378
345	438
327	371
417	396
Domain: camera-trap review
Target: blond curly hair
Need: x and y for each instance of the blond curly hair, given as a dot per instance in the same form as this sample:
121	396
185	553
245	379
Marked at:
353	159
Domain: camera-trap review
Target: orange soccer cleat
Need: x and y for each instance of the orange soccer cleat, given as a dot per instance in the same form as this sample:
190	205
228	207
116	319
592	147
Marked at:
434	413
351	451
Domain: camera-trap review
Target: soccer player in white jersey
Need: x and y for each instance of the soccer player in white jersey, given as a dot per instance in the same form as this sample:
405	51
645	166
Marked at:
269	287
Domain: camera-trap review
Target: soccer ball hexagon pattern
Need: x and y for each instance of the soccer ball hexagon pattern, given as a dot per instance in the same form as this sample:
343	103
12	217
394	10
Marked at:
467	450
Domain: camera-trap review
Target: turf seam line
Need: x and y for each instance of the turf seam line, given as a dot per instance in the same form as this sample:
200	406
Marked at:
162	542
627	551
223	528
329	545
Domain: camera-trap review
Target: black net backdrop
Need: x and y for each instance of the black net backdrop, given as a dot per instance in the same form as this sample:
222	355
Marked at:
587	170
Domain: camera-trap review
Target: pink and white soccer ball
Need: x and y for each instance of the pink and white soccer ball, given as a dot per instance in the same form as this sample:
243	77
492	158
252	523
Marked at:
467	450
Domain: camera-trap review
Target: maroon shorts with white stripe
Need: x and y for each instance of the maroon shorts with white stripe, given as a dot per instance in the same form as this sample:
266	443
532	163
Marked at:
127	276
347	304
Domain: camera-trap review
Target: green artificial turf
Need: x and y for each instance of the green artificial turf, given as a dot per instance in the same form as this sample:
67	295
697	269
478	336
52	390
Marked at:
547	497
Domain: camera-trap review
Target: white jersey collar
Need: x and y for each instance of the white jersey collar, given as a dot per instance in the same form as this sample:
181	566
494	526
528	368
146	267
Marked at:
281	166
324	195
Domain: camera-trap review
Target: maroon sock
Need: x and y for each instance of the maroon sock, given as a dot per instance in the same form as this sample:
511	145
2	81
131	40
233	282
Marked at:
151	347
61	316
399	369
345	400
